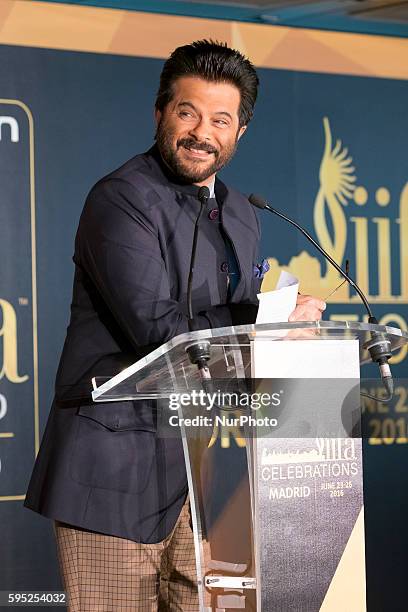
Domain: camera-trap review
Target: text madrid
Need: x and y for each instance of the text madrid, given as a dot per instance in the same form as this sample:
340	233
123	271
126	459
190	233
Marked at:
222	420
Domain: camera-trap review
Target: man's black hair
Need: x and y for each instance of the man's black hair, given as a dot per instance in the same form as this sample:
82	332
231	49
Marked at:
213	61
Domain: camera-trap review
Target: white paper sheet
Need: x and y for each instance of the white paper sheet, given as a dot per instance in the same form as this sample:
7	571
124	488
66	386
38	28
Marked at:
276	306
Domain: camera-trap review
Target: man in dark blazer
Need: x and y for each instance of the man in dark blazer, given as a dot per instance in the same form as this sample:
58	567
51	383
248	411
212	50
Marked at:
117	490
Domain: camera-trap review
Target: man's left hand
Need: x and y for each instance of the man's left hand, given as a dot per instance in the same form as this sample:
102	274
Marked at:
308	308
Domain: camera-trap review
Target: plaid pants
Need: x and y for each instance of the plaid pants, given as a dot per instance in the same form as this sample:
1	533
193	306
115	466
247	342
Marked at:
109	574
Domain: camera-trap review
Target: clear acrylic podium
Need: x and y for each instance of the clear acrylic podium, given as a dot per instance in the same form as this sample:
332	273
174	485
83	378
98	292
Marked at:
273	453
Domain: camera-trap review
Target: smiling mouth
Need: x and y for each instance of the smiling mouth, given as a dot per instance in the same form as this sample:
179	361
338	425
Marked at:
197	152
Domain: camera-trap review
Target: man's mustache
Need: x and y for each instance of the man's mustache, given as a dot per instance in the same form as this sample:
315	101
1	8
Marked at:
190	143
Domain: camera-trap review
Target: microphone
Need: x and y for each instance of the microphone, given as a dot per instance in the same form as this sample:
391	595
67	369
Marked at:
379	347
199	352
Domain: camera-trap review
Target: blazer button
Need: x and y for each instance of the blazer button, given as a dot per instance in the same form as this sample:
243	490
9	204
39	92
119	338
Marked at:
224	266
213	214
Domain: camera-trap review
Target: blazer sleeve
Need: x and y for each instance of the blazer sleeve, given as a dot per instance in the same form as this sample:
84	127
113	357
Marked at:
118	247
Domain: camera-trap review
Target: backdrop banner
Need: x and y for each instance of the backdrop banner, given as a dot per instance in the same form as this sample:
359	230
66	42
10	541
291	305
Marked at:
327	145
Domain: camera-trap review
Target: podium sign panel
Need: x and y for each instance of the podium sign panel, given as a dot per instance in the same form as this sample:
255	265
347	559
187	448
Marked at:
309	478
309	512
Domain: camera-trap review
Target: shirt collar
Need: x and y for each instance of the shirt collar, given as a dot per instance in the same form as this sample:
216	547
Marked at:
211	187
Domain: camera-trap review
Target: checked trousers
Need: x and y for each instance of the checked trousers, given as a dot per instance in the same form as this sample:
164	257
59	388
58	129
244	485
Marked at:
104	573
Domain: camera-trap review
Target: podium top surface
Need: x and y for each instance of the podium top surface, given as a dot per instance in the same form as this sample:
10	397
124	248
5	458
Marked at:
168	368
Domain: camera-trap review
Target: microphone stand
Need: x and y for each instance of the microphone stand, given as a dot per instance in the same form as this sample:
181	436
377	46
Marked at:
379	346
199	352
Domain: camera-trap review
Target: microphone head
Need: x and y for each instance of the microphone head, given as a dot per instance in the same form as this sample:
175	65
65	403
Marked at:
203	194
258	200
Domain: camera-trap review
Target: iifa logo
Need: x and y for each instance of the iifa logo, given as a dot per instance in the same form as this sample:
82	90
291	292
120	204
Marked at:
325	449
337	223
19	431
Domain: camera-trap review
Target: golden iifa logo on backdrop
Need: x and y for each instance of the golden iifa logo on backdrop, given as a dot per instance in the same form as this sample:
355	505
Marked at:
338	218
19	419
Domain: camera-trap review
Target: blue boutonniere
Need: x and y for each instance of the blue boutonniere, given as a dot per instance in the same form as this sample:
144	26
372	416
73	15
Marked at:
261	269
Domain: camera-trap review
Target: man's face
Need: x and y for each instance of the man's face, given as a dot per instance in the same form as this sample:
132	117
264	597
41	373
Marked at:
198	130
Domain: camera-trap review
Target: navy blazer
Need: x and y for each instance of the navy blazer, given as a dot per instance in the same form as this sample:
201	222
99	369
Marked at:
101	466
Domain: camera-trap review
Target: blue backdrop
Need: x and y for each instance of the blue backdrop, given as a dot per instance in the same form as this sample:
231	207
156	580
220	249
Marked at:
91	112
